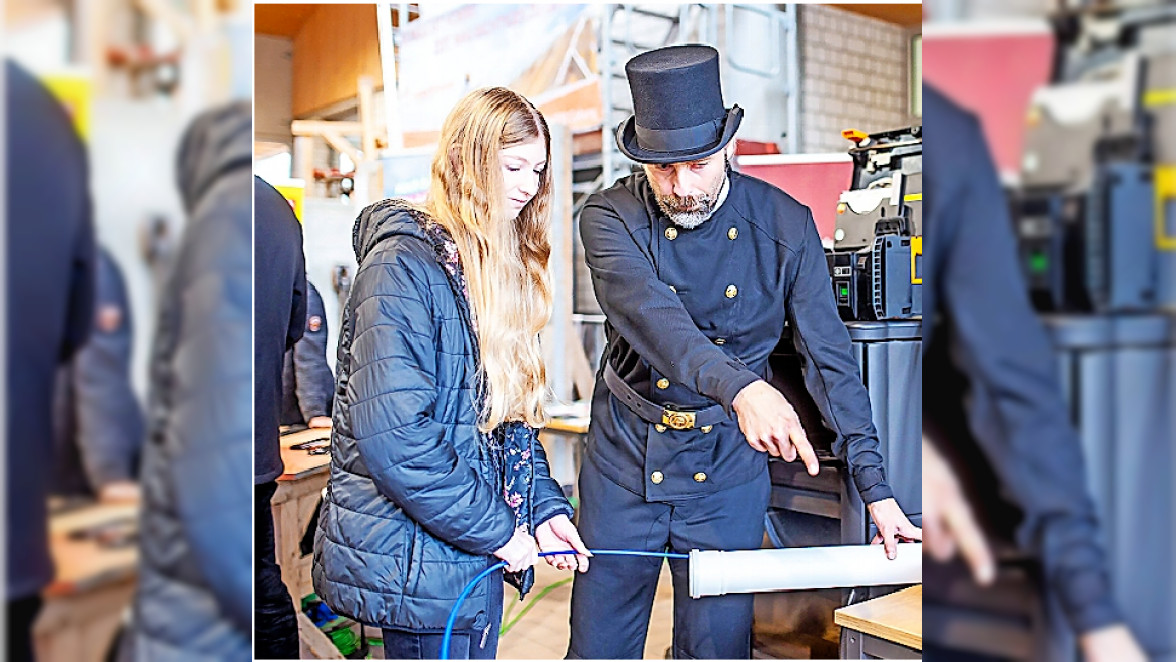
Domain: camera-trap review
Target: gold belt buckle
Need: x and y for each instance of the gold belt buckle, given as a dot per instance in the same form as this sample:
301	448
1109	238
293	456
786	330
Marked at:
678	420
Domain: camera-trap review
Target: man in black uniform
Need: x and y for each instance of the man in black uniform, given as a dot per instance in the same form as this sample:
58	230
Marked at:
697	268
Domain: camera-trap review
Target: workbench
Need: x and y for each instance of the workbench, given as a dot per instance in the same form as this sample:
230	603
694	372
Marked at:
295	504
885	628
93	586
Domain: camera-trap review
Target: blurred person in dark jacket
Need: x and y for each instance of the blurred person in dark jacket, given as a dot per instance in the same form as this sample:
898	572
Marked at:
280	317
980	321
98	424
194	598
50	304
308	385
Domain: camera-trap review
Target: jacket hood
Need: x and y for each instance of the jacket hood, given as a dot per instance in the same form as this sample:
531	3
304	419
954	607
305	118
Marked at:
381	220
217	141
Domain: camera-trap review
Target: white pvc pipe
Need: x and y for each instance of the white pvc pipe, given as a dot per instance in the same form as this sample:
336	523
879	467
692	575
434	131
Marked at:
793	569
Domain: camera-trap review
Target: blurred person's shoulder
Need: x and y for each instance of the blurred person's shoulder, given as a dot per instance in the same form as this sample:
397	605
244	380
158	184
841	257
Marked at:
271	209
951	133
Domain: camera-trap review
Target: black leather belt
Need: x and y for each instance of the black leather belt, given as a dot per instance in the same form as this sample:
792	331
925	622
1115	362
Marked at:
658	414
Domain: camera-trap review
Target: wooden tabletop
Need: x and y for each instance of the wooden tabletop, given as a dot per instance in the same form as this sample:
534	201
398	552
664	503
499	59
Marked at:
299	463
82	563
573	424
897	617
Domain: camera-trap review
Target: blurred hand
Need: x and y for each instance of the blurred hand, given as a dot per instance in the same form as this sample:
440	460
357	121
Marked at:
771	424
319	422
123	491
949	519
519	552
1111	643
892	525
558	533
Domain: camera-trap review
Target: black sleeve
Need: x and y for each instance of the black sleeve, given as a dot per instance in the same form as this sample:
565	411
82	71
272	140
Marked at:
830	370
297	298
1002	348
649	315
83	283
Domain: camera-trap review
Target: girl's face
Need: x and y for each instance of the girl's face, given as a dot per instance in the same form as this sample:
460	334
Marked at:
522	165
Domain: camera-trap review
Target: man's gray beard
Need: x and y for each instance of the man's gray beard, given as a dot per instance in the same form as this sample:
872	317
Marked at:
692	219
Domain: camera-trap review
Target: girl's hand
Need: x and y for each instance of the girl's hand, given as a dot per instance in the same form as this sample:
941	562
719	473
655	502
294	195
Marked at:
558	533
519	552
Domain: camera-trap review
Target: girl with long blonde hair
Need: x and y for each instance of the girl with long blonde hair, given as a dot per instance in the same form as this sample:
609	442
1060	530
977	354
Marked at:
436	472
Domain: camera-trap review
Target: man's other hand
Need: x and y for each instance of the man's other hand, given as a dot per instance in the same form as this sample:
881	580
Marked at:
892	524
122	491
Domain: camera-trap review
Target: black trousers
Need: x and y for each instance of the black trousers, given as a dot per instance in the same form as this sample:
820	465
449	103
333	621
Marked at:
275	627
22	613
611	603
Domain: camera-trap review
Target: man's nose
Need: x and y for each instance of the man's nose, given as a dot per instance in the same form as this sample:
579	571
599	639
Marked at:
681	184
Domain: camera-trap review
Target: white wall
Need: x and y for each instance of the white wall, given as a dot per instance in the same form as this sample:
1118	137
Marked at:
854	74
133	146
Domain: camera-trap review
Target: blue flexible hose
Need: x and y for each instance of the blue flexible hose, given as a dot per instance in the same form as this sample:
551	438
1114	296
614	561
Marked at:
502	564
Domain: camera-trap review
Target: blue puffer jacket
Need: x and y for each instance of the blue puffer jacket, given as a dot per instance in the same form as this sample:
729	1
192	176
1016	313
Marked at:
414	508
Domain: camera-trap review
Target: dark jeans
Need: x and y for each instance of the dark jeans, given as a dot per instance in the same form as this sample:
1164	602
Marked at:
403	645
22	613
275	627
612	602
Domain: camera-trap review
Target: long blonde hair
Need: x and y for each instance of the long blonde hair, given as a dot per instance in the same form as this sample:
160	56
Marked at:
504	260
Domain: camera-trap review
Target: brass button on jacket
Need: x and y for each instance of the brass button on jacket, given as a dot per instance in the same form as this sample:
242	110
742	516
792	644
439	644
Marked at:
671	233
663	383
659	427
732	233
699	477
656	477
732	291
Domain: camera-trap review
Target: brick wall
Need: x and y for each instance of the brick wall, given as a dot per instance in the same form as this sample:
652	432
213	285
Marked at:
854	73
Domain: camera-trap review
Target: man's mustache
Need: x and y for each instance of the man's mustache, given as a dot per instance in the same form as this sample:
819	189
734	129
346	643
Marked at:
687	203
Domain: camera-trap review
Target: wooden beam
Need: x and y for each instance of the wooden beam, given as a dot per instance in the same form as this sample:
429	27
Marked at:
558	338
367	119
341	145
318	127
303	162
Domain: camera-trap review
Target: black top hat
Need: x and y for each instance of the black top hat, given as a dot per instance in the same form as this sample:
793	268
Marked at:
678	112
